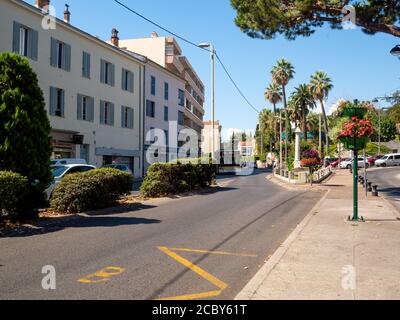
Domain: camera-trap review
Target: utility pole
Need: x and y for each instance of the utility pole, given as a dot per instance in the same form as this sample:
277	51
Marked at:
320	135
280	143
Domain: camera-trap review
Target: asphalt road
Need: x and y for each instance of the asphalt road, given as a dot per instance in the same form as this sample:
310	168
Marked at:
388	181
235	229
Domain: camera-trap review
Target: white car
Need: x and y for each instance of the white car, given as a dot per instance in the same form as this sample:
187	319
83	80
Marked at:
348	163
60	172
389	160
61	162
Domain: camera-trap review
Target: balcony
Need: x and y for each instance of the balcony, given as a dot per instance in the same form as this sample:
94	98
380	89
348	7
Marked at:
174	64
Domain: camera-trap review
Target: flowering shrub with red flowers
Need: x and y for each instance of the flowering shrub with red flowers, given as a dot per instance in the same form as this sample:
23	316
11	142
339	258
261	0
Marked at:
310	158
356	128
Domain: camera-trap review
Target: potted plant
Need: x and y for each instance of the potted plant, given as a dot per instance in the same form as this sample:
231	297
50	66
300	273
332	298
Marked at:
310	158
354	109
356	133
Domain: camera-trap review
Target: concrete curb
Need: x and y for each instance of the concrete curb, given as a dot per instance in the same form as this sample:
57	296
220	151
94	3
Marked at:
396	211
251	288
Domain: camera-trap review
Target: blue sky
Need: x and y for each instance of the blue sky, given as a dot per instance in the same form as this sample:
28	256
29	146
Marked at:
359	65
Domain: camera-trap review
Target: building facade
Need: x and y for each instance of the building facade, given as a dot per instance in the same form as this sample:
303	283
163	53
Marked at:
93	90
166	52
207	133
164	112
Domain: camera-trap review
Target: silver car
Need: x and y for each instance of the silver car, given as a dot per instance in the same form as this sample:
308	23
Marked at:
60	172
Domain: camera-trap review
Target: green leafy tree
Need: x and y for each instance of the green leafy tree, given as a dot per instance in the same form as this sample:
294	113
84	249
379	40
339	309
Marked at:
268	18
394	113
320	87
282	73
25	144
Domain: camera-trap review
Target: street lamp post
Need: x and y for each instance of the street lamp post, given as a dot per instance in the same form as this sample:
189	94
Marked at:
212	53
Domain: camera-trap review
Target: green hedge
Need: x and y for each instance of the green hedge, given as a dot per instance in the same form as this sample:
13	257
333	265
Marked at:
14	196
165	179
96	189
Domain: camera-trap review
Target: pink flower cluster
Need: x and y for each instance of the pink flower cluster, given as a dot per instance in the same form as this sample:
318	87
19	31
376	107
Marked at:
357	128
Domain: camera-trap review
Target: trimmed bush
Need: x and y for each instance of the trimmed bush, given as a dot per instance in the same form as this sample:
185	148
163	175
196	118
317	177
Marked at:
14	194
165	179
96	189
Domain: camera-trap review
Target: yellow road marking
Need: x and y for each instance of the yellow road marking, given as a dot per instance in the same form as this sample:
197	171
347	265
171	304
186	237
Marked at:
195	296
202	273
215	252
102	275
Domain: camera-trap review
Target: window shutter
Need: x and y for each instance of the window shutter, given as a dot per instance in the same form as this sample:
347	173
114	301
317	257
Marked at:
53	101
88	64
91	109
33	44
112	74
123	79
53	53
102	106
16	37
130	118
79	107
123	124
131	81
67	57
111	114
62	103
102	71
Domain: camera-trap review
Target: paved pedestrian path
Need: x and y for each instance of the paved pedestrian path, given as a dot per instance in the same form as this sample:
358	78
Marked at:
328	257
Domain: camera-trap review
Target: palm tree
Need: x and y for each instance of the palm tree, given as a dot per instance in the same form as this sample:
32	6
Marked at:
282	73
320	86
303	100
273	94
294	112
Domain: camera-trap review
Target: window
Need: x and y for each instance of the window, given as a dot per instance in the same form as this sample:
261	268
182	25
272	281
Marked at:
166	91
86	65
84	154
150	109
25	41
57	97
85	108
166	132
153	85
126	117
127	80
181	118
181	97
60	55
107	73
166	115
106	113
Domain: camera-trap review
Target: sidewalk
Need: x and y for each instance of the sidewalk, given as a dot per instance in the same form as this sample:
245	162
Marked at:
327	257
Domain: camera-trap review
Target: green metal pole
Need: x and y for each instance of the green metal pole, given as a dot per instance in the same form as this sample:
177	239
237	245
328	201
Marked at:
355	186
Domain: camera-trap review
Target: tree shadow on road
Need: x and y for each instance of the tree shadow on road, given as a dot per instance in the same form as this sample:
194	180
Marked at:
102	219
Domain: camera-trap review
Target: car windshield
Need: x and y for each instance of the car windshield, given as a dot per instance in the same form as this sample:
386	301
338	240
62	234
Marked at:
58	171
385	157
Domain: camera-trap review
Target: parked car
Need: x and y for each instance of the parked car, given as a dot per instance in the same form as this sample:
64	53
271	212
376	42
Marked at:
121	167
348	163
372	160
59	172
329	161
336	163
388	160
61	162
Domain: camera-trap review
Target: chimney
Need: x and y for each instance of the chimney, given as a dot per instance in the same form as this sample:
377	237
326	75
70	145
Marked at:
154	34
114	37
42	4
67	14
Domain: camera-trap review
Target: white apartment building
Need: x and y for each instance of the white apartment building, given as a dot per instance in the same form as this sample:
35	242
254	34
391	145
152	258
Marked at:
164	109
93	90
166	52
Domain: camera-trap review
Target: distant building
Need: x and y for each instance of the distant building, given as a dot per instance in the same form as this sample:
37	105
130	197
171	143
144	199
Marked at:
207	137
247	148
